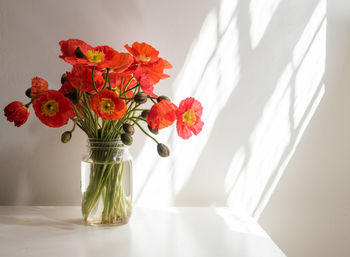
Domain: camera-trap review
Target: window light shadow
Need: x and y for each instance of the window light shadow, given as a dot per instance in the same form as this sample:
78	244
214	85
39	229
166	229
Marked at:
259	92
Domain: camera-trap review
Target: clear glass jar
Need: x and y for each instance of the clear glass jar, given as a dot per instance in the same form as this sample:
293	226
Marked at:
106	183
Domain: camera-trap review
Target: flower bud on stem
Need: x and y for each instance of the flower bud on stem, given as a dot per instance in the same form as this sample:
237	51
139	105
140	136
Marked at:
163	150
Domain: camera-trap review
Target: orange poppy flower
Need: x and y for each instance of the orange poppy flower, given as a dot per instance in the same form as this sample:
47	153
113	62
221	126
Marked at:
53	108
81	78
161	115
116	79
144	81
147	56
17	113
143	52
189	118
39	85
107	105
77	52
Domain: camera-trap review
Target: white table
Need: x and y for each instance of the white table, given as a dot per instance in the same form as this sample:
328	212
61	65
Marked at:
185	231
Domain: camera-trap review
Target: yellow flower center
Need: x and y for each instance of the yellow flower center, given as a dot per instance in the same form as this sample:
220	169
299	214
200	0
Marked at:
143	58
50	108
107	105
189	117
95	56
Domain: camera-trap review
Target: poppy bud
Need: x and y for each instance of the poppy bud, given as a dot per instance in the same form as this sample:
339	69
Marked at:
163	97
79	53
129	129
66	136
144	113
140	98
126	139
28	92
163	150
64	78
154	131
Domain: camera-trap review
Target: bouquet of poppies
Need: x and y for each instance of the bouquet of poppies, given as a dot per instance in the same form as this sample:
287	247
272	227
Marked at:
103	94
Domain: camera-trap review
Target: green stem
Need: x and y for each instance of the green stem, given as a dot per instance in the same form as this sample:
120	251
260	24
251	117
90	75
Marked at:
109	83
93	79
32	100
135	122
152	99
130	89
106	79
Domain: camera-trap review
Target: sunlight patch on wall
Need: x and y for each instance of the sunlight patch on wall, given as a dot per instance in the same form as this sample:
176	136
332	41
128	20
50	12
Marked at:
309	57
268	141
286	114
261	12
226	14
210	74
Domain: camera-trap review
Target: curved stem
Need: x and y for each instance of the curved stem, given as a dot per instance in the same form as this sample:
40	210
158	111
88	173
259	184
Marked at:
32	100
109	82
106	80
152	99
144	130
93	80
129	88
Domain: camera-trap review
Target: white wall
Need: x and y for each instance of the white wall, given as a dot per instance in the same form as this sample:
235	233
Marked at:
271	108
309	213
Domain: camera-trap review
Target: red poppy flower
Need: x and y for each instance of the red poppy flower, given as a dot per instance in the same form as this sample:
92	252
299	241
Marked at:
101	56
189	118
53	108
161	115
39	85
81	78
147	56
69	47
16	112
145	81
156	70
116	79
107	105
66	88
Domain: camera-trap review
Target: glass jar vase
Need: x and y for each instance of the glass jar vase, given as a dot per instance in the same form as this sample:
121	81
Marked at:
106	183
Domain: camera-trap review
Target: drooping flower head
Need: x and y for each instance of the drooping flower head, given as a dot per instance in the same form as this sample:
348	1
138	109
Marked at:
53	108
77	52
189	118
116	80
39	85
17	113
144	81
107	105
147	56
81	78
161	115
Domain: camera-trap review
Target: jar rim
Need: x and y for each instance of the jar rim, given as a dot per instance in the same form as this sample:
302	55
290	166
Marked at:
103	143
